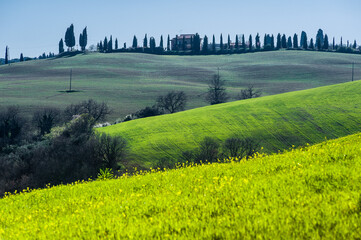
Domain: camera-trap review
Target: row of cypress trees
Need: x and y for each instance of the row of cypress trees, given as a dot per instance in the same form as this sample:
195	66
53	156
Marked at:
70	39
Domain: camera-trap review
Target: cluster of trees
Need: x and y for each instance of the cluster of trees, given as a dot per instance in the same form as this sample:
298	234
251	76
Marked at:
55	146
70	39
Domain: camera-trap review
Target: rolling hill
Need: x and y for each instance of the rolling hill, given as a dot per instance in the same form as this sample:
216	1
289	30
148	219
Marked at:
305	193
129	82
278	121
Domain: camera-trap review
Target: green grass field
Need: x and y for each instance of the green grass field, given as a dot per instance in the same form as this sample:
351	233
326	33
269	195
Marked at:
311	193
278	121
129	82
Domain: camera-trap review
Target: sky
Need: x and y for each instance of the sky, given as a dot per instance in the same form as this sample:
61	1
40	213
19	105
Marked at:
32	27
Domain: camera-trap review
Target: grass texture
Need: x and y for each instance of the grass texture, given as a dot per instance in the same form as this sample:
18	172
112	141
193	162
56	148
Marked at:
277	121
308	193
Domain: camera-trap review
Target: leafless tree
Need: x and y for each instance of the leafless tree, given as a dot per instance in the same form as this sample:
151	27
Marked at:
172	102
216	90
238	147
249	92
45	119
98	111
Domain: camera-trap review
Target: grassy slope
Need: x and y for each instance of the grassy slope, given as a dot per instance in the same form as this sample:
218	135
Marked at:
279	121
129	82
306	193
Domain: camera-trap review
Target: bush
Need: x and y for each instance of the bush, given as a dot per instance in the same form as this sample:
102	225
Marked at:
240	148
208	150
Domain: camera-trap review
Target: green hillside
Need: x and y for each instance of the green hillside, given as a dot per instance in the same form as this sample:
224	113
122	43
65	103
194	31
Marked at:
278	121
311	193
129	82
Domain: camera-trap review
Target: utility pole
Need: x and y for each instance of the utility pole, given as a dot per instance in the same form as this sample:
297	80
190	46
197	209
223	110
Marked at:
353	66
71	73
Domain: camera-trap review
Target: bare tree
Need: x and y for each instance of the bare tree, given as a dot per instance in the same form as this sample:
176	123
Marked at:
98	111
11	125
216	90
249	92
45	119
241	148
172	102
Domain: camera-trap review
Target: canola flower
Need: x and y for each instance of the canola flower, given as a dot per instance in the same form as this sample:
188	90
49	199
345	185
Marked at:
312	192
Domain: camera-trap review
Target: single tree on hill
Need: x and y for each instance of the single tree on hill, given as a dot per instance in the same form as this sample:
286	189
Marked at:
145	41
205	44
21	58
250	43
216	90
161	42
70	37
6	55
295	41
135	42
172	102
116	44
61	46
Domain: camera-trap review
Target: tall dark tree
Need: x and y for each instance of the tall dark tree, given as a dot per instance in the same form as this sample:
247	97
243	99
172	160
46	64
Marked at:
319	39
325	42
284	41
216	90
21	57
312	45
168	43
205	44
161	42
61	46
101	47
279	43
250	43
289	42
221	42
243	43
354	46
295	41
333	43
196	43
272	42
135	42
105	44
6	55
83	39
125	45
152	44
265	40
229	42
184	43
341	44
145	41
348	44
70	37
214	44
116	44
237	43
110	44
258	43
303	42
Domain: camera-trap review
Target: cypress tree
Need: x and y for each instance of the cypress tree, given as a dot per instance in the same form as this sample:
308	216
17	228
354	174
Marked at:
341	42
84	39
295	41
325	43
152	44
289	42
161	42
237	42
348	44
258	43
229	42
279	44
333	43
6	55
303	42
135	42
284	41
81	40
214	44
272	42
21	57
319	39
250	43
354	46
145	41
61	46
221	42
70	37
184	43
265	41
192	42
116	44
205	44
312	46
125	45
168	43
101	48
196	43
105	44
110	44
243	43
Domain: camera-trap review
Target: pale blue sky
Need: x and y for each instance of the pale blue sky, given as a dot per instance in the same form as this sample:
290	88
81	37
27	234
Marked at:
36	26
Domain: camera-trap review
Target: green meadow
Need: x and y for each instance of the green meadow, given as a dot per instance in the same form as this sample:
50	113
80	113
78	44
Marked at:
131	81
277	121
308	193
